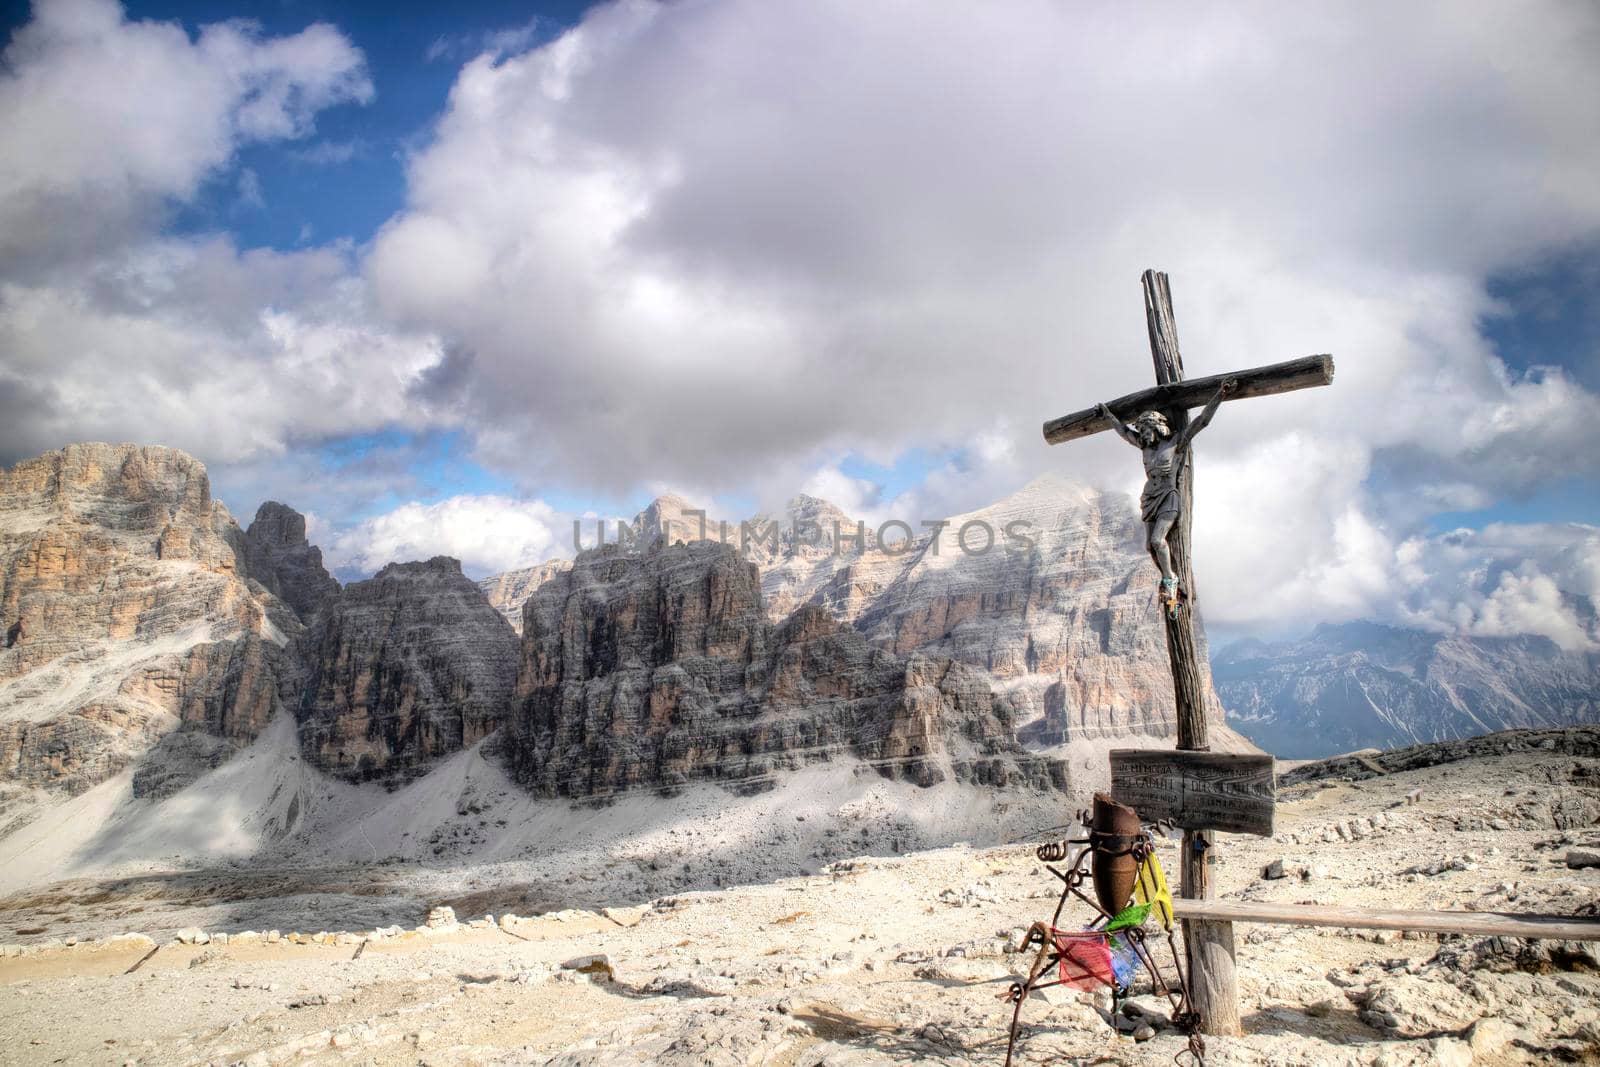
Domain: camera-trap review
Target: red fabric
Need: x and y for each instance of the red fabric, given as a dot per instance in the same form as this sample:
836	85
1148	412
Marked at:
1085	959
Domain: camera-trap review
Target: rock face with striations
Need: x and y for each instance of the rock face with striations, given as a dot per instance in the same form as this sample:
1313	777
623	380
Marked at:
801	552
137	639
1052	600
660	667
279	557
507	592
667	519
1048	593
404	668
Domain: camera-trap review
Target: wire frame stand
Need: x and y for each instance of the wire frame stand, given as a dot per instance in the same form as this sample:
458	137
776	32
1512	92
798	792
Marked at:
1053	943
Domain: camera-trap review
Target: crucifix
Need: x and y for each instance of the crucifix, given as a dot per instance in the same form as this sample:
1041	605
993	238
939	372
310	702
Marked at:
1161	428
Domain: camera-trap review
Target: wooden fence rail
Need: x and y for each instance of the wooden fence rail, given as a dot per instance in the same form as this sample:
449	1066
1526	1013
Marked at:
1482	923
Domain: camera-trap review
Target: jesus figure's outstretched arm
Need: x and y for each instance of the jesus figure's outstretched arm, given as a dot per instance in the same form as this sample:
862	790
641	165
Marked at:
1203	420
1121	428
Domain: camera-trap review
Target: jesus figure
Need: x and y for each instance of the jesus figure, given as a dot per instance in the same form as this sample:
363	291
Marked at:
1160	504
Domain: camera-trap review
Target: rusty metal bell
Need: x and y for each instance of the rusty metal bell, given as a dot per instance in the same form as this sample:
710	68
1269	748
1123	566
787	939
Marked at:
1113	828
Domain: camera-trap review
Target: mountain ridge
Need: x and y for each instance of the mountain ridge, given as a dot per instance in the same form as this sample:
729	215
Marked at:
158	644
1347	686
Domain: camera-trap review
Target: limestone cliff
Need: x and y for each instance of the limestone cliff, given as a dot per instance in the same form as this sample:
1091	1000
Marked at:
802	550
666	519
146	631
795	551
278	556
507	592
134	626
403	668
1048	593
661	667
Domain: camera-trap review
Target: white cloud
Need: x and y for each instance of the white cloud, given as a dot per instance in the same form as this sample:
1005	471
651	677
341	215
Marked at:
327	153
193	344
1503	580
250	189
855	496
723	244
496	43
105	120
726	243
1525	602
111	331
488	534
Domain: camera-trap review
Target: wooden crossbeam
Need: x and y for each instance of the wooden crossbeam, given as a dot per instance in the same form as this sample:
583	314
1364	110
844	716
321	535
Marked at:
1194	392
1483	923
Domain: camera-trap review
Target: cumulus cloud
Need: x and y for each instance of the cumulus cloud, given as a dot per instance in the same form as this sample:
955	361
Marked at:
114	331
1504	580
719	241
793	227
725	244
194	344
488	534
105	121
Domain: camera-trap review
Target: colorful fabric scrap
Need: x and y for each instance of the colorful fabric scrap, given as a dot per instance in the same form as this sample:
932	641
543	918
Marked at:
1124	963
1151	888
1085	959
1132	915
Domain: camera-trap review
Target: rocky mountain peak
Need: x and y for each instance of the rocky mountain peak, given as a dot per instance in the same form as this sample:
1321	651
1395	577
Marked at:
406	667
124	485
278	524
1349	686
279	557
1052	598
1050	593
437	568
803	506
665	519
801	550
140	638
659	667
507	592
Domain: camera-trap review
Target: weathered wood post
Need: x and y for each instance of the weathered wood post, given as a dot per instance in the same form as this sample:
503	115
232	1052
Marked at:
1213	981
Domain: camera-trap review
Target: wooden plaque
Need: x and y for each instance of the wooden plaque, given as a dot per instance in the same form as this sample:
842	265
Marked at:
1197	790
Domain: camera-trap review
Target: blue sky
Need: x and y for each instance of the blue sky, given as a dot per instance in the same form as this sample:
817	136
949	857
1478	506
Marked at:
545	261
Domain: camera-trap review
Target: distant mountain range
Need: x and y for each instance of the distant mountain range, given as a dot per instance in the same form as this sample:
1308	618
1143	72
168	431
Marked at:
1365	685
158	655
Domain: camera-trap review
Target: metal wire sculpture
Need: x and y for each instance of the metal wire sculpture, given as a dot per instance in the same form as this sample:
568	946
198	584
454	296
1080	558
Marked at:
1118	858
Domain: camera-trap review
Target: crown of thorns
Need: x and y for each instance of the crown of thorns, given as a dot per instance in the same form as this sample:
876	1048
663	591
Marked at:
1155	421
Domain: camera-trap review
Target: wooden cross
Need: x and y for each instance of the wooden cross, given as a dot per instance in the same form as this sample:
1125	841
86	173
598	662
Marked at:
1213	991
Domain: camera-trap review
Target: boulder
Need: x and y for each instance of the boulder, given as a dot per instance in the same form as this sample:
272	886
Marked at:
1581	858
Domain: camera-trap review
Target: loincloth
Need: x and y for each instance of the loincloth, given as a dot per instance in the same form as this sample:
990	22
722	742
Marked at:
1159	499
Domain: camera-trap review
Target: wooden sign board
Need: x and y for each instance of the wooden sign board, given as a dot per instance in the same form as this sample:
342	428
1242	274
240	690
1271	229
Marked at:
1197	790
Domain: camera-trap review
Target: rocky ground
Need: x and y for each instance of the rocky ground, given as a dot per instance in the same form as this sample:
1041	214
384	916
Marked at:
876	959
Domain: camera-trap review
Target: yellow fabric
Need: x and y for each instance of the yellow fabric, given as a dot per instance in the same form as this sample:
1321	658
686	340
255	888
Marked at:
1152	888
